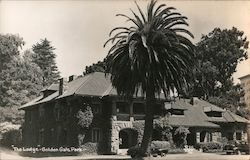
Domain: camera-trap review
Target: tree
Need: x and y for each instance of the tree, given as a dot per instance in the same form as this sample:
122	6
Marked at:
19	78
218	55
100	66
21	82
231	101
44	57
152	56
84	121
9	49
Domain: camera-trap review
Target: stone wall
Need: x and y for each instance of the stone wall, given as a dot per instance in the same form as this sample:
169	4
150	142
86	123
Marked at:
117	126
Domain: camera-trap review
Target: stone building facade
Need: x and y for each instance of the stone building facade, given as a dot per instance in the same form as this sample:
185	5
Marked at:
50	120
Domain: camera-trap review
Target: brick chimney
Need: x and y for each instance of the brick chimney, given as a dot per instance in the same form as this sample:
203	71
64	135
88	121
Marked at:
60	86
72	77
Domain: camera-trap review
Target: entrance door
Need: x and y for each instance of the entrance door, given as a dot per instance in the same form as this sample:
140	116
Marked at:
127	138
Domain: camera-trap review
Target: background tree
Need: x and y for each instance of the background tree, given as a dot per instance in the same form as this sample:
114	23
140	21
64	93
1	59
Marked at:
152	56
100	66
20	79
218	55
44	57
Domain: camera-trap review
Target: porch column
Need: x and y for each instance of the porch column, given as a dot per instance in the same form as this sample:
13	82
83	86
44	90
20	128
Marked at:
131	114
234	135
114	117
198	137
114	138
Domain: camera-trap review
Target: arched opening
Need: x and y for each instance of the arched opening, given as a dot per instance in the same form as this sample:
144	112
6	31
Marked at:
127	138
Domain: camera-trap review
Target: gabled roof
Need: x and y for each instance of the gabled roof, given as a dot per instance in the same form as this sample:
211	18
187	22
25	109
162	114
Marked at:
52	87
232	117
194	115
243	77
94	84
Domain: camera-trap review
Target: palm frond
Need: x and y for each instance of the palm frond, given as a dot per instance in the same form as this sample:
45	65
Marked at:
130	19
141	13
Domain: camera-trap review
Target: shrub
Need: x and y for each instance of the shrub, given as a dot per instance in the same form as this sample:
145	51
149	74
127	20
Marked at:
176	151
134	151
10	134
209	146
89	148
181	136
12	137
160	144
162	126
85	117
139	127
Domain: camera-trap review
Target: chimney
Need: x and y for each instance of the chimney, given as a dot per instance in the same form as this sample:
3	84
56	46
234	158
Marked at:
194	100
72	77
60	86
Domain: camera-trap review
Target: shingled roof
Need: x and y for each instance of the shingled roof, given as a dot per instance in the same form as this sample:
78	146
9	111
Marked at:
94	84
99	85
195	116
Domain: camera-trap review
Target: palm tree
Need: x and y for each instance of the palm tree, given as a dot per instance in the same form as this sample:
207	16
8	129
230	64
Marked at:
152	56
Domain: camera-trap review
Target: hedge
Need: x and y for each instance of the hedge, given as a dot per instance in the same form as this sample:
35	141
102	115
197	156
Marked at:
208	146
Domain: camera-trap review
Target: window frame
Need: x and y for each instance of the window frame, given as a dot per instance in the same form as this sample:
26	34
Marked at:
126	107
96	135
97	108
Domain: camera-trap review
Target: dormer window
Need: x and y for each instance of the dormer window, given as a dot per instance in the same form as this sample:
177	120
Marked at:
177	112
213	114
212	111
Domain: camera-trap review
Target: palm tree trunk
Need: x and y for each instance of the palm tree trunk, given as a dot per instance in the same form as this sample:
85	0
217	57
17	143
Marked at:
148	129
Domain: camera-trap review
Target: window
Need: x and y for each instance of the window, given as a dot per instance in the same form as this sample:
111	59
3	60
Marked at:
122	107
158	109
177	112
97	108
41	137
41	111
214	114
238	136
138	108
230	136
96	135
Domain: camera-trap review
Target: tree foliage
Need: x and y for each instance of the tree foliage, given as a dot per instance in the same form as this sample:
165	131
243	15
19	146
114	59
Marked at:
218	55
100	66
19	78
85	117
162	126
181	136
44	57
153	55
231	101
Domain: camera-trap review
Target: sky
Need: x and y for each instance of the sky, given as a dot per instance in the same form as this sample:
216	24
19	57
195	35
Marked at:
79	28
